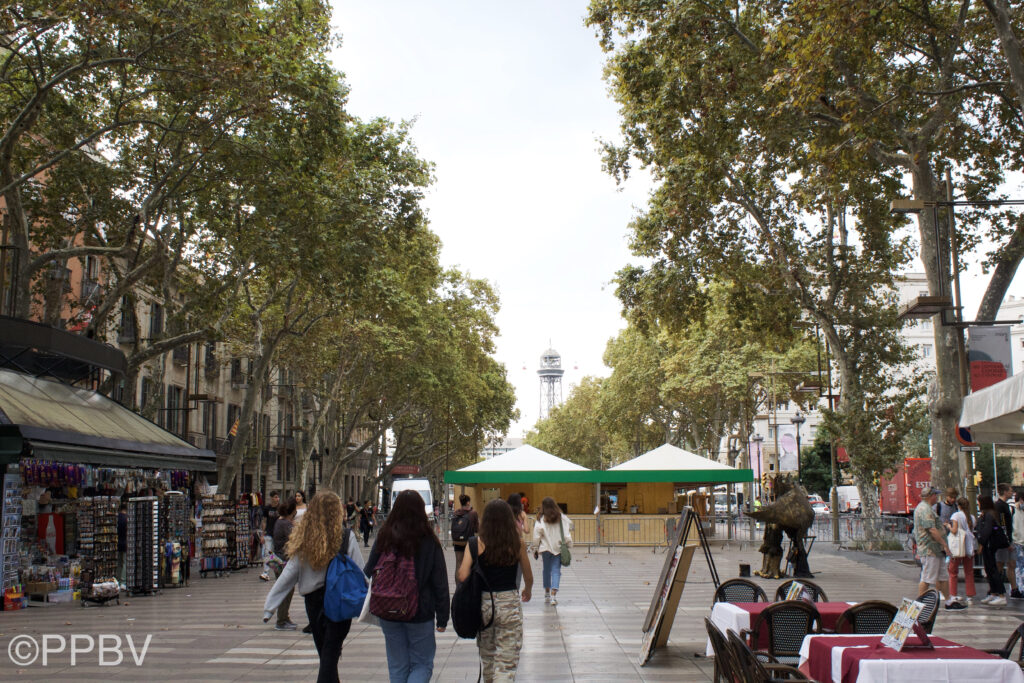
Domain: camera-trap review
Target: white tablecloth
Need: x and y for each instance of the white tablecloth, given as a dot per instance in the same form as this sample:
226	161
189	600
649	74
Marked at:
928	670
727	617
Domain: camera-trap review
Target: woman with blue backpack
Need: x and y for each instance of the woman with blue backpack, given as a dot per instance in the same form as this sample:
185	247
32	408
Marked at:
320	549
408	589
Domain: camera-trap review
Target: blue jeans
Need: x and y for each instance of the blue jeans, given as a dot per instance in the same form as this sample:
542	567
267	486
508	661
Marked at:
552	570
410	648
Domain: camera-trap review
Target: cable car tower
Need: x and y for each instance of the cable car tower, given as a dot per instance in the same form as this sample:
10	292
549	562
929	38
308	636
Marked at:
550	374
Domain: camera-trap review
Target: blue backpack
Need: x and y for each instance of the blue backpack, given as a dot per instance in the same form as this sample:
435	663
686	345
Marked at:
345	587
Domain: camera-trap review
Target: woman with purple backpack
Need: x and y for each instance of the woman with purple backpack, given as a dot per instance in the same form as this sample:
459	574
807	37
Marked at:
409	589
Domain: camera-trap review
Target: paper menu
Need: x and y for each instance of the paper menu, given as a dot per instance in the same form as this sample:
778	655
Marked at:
795	591
902	624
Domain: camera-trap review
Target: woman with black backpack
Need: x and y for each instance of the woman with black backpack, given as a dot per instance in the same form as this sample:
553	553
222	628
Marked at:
409	589
991	538
313	543
501	552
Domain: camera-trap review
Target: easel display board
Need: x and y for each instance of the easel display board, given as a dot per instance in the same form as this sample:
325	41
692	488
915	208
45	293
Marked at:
662	612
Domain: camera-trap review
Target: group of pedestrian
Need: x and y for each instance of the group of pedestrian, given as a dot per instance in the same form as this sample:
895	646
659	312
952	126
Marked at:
409	575
947	533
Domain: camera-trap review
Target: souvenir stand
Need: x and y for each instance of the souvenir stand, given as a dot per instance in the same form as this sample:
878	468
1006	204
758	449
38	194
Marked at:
217	536
243	536
97	535
143	545
174	540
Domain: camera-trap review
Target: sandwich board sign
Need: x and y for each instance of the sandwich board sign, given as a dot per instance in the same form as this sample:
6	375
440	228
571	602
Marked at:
662	612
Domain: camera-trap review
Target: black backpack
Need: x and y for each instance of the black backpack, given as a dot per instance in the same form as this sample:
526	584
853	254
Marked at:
468	600
460	527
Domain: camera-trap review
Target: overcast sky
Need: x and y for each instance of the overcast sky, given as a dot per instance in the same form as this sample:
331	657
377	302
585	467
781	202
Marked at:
509	104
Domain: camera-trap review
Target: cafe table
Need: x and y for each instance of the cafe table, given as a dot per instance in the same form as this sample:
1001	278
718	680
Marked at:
739	616
833	658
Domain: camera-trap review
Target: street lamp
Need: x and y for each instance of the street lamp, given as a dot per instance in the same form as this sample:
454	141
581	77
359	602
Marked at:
798	421
758	439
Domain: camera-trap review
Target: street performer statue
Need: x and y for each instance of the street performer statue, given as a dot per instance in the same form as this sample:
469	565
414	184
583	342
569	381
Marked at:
792	514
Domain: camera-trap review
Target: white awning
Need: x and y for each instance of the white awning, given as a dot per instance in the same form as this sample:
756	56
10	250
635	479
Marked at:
996	413
669	457
525	459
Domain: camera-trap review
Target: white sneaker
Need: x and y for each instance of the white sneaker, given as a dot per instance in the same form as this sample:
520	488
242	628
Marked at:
988	598
997	601
547	597
554	602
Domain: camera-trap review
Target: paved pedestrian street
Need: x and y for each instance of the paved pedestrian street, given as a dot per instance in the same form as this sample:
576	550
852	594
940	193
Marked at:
212	630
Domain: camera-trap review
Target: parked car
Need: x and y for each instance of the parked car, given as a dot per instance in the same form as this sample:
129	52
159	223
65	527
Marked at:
821	508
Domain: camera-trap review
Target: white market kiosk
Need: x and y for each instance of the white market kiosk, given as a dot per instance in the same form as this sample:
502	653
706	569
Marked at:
994	414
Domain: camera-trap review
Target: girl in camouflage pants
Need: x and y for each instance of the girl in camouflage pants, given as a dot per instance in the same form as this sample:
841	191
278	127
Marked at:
501	551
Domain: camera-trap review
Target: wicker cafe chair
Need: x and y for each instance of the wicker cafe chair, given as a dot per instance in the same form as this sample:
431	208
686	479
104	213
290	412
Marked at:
817	594
726	665
926	618
872	616
786	624
739	590
753	670
1016	639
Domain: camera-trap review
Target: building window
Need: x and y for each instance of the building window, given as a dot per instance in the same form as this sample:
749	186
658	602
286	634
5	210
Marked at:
144	392
175	410
233	412
926	350
126	327
280	466
210	422
156	320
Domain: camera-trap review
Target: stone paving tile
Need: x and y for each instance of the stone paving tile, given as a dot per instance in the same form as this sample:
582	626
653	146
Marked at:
211	631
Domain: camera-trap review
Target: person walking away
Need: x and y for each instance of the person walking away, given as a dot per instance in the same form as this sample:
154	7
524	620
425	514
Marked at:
122	545
946	507
962	519
515	501
525	501
931	541
282	531
270	515
366	522
300	504
316	538
1018	539
350	508
988	533
1006	560
551	527
465	524
501	553
407	534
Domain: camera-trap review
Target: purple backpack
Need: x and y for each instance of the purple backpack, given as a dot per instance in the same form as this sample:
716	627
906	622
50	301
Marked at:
394	593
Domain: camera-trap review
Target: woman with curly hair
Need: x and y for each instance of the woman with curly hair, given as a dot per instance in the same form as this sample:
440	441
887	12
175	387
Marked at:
407	533
501	552
314	541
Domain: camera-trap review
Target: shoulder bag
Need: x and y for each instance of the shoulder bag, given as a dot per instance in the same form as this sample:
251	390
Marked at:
566	556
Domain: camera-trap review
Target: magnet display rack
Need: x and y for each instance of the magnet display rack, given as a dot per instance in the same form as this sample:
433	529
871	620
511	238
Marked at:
10	530
97	534
174	529
218	522
143	545
243	536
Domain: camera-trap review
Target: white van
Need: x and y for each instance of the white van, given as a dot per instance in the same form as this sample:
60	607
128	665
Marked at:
420	486
849	498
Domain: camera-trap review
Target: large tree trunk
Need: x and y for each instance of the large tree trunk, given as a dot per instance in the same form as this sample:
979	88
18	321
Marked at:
944	399
231	464
999	11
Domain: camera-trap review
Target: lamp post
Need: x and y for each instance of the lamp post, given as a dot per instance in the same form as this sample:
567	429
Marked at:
798	421
758	439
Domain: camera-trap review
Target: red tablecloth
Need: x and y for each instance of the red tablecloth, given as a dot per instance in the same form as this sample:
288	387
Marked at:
819	658
829	612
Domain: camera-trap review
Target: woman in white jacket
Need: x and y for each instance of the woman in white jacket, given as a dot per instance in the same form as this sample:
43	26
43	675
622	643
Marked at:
551	527
313	543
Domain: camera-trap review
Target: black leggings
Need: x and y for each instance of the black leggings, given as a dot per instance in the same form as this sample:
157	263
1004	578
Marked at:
995	577
366	534
328	636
